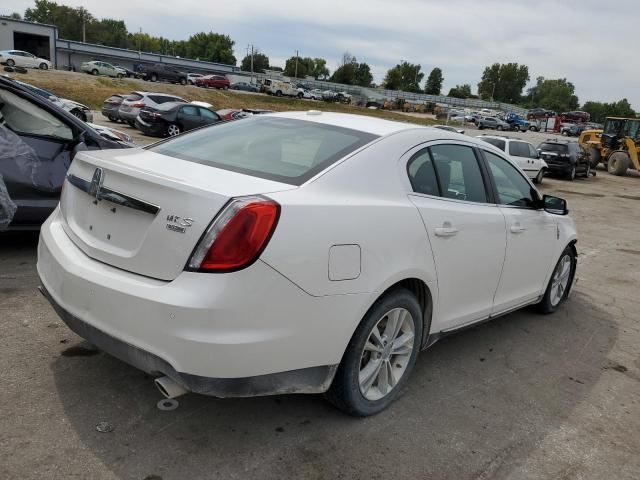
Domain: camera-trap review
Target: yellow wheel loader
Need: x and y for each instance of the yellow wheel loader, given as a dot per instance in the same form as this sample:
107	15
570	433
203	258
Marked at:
617	145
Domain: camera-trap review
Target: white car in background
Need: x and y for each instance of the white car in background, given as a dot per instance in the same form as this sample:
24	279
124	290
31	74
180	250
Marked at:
191	78
20	58
298	252
523	153
77	109
96	67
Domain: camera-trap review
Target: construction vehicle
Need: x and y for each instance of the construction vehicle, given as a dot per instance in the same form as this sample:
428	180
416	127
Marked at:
617	145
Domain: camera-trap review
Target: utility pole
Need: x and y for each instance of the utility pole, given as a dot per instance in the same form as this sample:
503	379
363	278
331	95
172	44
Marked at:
251	61
140	43
84	24
296	63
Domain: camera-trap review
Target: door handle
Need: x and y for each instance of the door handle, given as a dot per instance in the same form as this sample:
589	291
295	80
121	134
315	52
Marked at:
446	230
517	228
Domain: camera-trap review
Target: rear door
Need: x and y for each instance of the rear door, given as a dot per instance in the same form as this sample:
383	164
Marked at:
532	236
464	230
189	117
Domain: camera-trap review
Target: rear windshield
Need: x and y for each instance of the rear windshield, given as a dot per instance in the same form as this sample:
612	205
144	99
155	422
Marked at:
134	96
279	149
496	142
554	147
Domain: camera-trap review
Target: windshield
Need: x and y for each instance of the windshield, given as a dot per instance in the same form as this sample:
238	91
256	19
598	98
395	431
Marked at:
554	147
280	149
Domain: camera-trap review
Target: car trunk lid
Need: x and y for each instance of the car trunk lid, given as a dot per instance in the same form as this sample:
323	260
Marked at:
145	212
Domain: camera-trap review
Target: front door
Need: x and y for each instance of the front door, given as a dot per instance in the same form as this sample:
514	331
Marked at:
531	235
465	232
190	117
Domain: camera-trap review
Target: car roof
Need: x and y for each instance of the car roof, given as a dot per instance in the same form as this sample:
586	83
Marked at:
375	126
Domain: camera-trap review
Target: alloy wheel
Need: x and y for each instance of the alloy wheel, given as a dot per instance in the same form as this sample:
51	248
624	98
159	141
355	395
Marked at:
560	280
386	354
173	130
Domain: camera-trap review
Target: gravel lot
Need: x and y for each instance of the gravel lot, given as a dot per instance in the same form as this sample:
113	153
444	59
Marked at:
525	396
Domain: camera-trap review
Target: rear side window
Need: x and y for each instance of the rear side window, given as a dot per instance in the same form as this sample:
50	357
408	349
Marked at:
422	174
554	147
518	149
496	142
459	173
280	149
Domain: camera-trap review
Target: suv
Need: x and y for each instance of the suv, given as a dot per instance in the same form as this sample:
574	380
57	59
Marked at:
492	123
539	113
213	81
576	116
131	105
565	158
523	153
161	71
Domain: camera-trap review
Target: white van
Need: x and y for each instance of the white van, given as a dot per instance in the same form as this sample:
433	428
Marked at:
279	88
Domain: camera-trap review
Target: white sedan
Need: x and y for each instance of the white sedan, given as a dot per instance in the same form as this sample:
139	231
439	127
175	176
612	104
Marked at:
20	58
298	252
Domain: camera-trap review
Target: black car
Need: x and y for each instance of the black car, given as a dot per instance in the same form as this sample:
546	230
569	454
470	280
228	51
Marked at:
159	72
247	87
573	129
173	118
564	158
111	106
38	141
539	113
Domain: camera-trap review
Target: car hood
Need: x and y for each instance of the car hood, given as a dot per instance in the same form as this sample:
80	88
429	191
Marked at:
71	104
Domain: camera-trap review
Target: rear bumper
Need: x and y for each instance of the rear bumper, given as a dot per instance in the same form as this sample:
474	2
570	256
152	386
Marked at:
246	333
155	129
129	116
111	112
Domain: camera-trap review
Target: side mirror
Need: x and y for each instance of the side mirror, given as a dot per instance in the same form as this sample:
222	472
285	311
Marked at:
555	205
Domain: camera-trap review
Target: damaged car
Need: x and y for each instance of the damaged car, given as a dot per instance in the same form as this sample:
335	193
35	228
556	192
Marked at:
38	141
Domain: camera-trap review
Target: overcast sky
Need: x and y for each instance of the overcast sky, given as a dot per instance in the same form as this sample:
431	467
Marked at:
592	44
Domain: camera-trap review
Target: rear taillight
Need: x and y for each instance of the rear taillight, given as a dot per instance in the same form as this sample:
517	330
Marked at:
237	237
137	105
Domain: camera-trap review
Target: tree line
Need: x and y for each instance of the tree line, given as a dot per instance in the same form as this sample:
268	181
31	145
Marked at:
499	82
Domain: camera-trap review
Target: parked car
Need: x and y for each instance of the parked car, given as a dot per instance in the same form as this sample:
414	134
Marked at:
245	86
173	118
517	122
228	114
38	141
162	72
132	103
213	81
20	58
576	116
111	106
304	93
192	77
524	154
316	94
493	123
539	113
127	71
217	252
449	128
573	129
74	108
102	68
279	88
567	159
113	134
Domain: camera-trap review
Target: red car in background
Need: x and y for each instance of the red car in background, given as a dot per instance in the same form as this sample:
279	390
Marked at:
213	81
575	116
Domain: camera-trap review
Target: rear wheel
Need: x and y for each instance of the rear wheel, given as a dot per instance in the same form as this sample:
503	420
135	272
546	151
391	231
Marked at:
112	118
618	163
94	71
499	128
300	95
11	63
572	173
278	93
380	356
119	76
44	66
533	128
173	130
154	77
183	81
560	282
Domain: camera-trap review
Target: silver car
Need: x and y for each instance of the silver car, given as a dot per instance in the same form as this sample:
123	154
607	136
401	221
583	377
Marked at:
131	105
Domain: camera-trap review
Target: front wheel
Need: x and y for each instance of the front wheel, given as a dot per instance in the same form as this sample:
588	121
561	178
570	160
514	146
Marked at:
380	356
618	163
44	66
94	72
539	177
173	130
154	77
183	81
119	76
11	63
560	282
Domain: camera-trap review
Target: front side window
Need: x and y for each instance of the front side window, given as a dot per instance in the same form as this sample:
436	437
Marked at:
532	151
513	189
281	149
190	111
24	117
459	173
206	113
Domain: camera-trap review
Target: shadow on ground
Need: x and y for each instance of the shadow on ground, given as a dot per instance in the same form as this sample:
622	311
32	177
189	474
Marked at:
478	403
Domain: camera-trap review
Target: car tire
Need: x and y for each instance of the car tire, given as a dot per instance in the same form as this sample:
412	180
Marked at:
532	128
119	76
346	391
499	128
131	123
278	93
11	63
95	72
480	126
44	66
154	77
560	282
571	175
587	172
594	157
300	95
618	163
183	81
173	129
539	177
112	119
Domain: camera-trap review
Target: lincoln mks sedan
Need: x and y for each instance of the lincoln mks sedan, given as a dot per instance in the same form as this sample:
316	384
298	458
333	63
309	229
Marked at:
299	252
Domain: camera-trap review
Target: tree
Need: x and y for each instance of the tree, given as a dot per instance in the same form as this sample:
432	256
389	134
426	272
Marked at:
600	111
211	47
320	70
554	94
15	16
503	82
307	67
434	82
350	72
460	91
260	62
404	76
